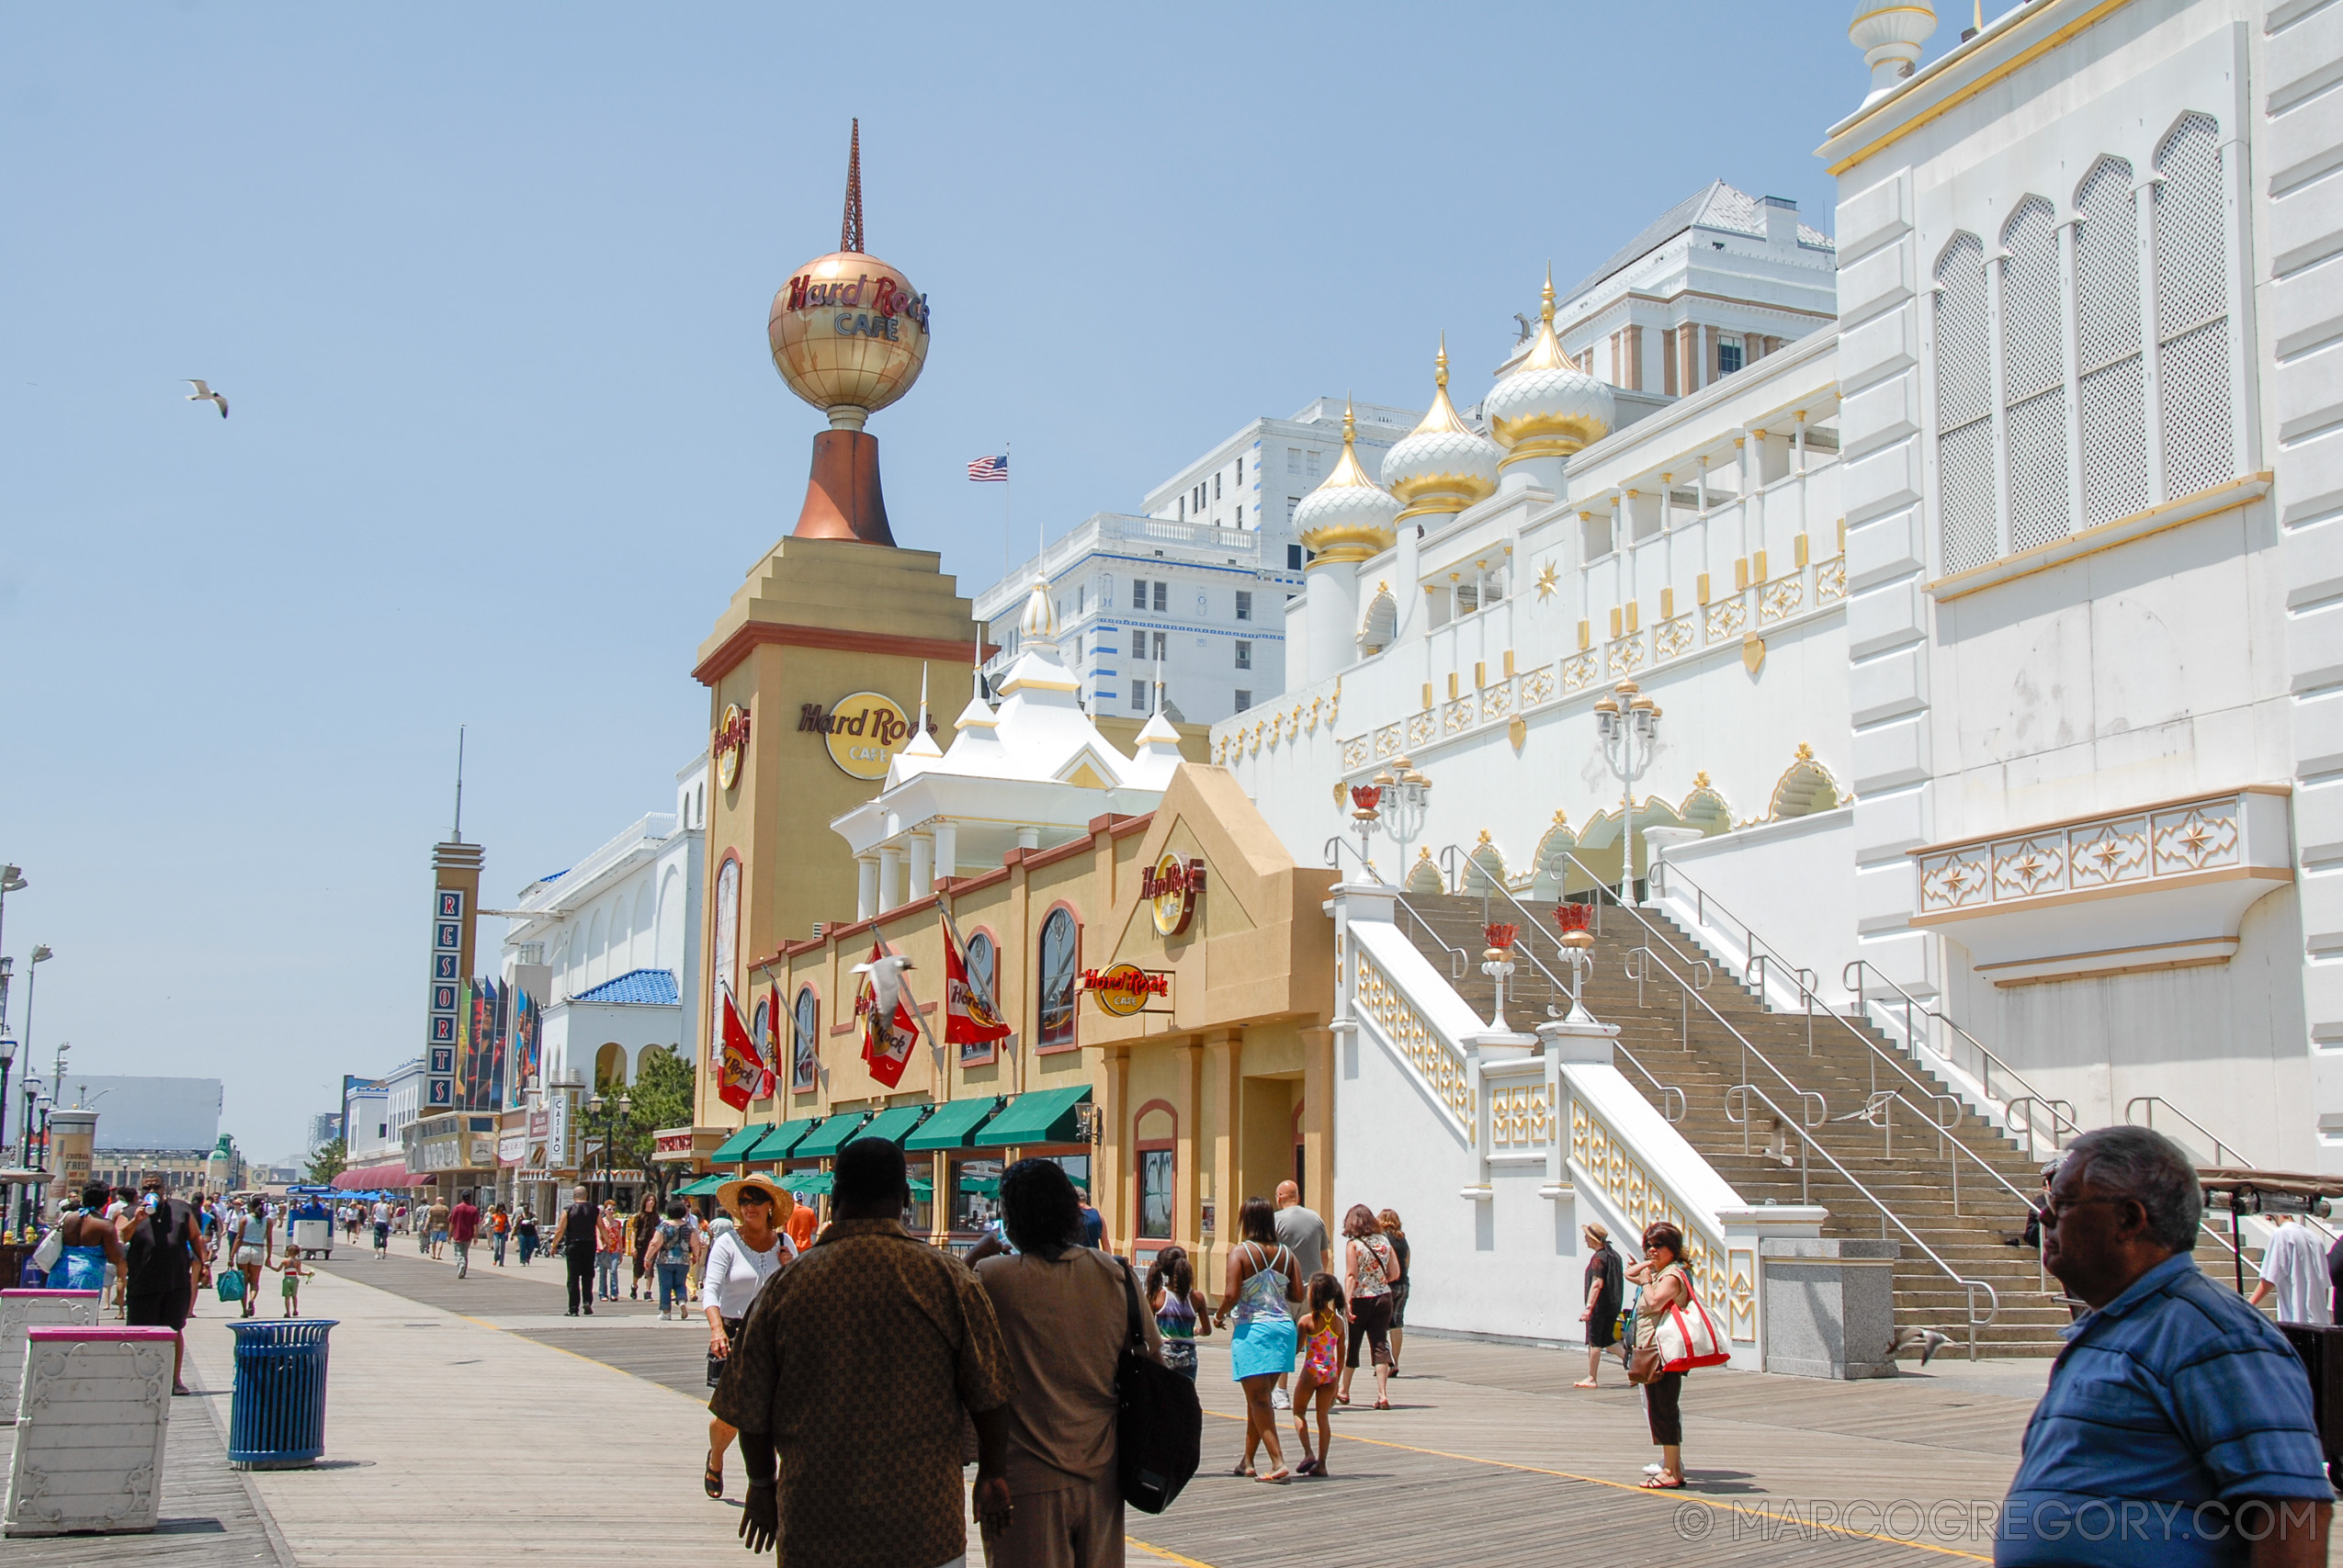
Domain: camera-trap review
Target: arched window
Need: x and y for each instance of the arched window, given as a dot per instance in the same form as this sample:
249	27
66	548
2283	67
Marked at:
1806	788
806	1057
2192	307
610	1066
983	961
598	939
760	1024
642	949
2109	387
728	932
1058	963
1965	528
1381	624
2033	376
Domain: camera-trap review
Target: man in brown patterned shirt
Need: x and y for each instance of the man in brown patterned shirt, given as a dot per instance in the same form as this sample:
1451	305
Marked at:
855	1367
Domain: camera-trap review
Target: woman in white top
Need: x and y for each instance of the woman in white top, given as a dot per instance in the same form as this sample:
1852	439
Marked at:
739	1260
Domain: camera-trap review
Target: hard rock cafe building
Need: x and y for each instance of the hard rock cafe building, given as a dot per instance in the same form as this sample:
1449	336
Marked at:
1164	968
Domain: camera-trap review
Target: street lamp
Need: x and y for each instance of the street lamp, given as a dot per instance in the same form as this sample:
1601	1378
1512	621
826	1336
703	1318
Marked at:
615	1116
41	956
1396	801
1629	724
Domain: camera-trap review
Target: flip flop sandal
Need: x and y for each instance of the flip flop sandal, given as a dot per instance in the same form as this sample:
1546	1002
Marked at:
712	1482
1661	1483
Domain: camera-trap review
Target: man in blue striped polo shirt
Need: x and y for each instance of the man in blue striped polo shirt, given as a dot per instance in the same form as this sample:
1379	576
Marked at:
2177	1427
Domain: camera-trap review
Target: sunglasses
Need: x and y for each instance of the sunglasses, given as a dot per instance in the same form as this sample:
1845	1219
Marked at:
755	1195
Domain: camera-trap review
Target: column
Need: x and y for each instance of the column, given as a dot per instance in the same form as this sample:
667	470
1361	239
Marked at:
1187	1218
1634	337
1113	1177
891	879
922	867
1219	1105
947	850
1317	1118
865	886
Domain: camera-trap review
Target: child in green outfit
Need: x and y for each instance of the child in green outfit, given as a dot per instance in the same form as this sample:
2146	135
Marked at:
294	1275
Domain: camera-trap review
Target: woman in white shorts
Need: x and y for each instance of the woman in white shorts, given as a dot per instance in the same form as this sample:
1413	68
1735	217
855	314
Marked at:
255	1241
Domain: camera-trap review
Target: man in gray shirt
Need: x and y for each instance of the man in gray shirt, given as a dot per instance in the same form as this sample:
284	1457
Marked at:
1304	1234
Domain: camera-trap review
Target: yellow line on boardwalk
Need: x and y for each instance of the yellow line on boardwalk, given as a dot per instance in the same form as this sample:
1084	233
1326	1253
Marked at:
1165	1553
1677	1495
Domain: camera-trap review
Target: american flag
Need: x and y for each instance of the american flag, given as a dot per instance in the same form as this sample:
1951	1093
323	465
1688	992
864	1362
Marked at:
990	468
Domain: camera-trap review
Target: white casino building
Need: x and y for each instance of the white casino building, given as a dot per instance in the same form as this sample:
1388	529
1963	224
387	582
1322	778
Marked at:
1996	626
1198	582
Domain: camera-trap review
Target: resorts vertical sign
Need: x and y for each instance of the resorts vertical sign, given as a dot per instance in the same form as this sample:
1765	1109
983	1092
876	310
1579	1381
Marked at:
455	900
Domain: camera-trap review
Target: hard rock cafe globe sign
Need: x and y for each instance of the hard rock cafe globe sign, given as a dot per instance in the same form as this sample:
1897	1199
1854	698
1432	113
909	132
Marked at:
849	335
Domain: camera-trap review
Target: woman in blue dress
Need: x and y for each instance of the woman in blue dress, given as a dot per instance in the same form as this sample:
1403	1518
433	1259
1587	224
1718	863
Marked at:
90	1242
1264	1283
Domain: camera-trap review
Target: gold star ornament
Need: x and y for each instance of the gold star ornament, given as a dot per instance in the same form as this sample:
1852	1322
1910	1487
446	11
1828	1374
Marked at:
1549	579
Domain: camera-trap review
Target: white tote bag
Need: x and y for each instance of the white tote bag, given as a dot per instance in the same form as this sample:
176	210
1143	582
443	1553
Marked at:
1688	1337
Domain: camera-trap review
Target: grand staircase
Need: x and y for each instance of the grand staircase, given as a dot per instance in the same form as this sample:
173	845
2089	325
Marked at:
1682	1046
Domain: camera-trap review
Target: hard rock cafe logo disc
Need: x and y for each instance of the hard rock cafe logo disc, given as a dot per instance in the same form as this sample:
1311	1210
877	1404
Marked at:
1170	887
732	743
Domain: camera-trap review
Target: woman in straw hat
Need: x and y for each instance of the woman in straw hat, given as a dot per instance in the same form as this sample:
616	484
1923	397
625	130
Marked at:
739	1260
1606	1289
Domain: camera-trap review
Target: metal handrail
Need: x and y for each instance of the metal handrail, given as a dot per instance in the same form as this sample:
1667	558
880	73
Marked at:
1760	969
1669	1094
1886	1215
2219	1148
2061	1111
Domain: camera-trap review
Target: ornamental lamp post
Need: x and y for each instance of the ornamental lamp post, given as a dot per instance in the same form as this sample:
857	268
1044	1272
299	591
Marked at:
1364	816
1407	796
1497	963
1628	723
1577	943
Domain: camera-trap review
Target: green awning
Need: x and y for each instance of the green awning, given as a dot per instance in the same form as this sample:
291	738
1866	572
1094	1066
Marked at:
1042	1116
923	1190
704	1184
983	1186
830	1136
805	1183
781	1139
951	1125
894	1123
737	1147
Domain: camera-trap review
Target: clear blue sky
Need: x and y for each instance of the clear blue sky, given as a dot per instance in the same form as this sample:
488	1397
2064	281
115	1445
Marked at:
486	286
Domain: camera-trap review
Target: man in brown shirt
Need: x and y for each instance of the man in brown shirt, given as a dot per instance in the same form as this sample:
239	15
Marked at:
854	1370
1065	1315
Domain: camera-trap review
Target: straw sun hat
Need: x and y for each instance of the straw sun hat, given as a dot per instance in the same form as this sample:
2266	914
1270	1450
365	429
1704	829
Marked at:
729	1196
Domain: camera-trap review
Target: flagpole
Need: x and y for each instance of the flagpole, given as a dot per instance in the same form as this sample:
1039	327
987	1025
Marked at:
1008	536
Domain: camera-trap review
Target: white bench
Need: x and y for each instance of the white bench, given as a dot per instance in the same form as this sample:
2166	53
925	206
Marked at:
90	1424
20	1310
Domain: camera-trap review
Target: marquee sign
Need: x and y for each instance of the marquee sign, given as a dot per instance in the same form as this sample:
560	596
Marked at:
1171	885
732	743
1124	989
863	732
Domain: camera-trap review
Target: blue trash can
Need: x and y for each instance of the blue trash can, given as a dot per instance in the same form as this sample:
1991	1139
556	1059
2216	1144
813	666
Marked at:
277	1420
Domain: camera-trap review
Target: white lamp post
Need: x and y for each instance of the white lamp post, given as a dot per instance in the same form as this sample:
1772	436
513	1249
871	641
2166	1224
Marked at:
1629	724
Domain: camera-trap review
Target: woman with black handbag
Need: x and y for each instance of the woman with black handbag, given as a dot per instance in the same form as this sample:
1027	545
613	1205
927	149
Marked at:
1067	1313
739	1263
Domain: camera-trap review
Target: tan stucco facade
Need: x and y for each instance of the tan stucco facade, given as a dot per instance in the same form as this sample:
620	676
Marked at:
1235	1080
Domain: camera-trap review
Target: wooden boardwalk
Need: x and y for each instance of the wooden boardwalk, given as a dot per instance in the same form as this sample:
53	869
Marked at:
1491	1457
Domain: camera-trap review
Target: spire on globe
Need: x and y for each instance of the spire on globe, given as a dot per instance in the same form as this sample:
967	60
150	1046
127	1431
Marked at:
849	333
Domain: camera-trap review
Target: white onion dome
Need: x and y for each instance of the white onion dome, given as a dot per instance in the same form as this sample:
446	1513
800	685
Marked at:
1890	33
1349	517
1548	407
1442	464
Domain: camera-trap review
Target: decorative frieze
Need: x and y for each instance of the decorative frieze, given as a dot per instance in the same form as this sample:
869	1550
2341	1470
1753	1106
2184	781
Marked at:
1440	1063
1604	1158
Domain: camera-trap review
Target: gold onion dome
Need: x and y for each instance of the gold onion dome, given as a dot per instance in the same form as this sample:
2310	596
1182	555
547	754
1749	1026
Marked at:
1442	464
1349	517
1548	407
1039	622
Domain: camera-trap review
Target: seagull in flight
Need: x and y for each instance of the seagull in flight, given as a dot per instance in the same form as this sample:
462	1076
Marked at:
204	394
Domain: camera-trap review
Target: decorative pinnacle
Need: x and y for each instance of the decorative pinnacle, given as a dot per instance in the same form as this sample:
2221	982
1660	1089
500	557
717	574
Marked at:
1439	375
1545	311
1350	425
850	233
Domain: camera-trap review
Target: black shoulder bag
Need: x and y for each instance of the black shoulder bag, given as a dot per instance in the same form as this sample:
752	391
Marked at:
1158	1430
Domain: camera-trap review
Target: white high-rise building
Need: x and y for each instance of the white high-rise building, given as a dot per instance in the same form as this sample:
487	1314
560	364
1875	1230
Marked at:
1195	587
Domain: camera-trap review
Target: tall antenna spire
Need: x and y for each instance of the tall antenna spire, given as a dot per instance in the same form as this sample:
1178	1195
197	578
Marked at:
459	785
850	233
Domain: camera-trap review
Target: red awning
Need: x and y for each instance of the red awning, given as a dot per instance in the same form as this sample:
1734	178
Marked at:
381	1176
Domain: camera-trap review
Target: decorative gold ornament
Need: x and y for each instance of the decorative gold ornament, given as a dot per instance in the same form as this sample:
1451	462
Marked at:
1549	580
1546	406
1442	465
1518	731
1752	652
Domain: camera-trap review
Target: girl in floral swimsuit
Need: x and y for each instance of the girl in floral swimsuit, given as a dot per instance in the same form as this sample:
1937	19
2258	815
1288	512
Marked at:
1322	1330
